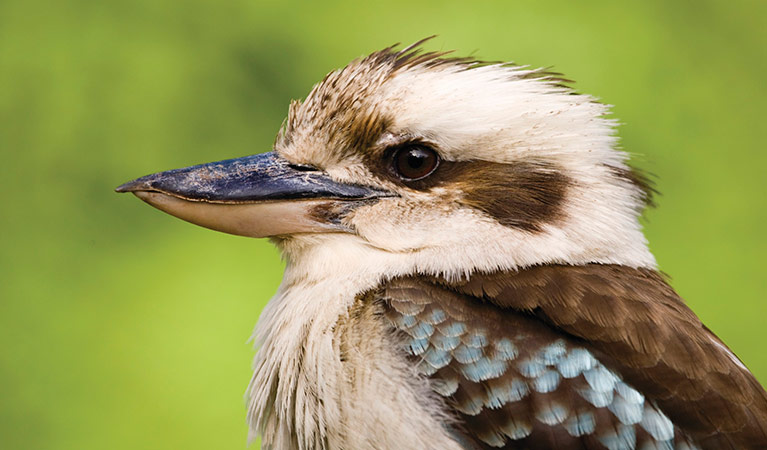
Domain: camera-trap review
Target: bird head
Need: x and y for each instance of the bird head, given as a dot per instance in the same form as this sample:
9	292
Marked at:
448	164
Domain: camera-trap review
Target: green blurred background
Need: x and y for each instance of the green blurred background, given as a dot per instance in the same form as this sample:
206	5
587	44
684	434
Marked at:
124	328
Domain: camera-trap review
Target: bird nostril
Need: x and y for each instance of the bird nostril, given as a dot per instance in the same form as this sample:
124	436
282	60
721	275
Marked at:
303	167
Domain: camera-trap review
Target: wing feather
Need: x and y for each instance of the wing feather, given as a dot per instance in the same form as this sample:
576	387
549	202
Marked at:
573	357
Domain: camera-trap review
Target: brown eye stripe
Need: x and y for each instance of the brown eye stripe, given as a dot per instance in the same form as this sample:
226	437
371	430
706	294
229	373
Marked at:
520	195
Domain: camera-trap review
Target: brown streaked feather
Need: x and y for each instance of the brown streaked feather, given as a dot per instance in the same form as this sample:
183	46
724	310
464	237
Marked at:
645	332
339	105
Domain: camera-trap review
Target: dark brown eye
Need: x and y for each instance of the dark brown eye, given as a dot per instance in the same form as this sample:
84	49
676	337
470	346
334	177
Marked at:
414	162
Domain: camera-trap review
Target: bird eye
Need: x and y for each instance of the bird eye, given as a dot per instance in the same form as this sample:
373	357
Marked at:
414	162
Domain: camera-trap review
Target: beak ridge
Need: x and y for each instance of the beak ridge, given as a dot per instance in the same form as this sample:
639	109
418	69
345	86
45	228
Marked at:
249	179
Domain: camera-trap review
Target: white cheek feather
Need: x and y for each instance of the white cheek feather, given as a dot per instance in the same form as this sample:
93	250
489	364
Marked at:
459	242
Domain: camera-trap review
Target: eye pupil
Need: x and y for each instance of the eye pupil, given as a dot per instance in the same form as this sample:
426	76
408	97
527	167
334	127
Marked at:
415	162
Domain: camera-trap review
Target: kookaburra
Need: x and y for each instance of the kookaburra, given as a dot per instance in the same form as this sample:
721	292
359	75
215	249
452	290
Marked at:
465	269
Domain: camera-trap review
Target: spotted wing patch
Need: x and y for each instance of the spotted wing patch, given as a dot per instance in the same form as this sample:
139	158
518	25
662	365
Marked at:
516	383
639	327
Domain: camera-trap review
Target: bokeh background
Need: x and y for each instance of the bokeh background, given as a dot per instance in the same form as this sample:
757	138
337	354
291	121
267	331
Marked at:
123	328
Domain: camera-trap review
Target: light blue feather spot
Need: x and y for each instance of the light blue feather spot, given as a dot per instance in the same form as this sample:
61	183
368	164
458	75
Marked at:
630	394
505	350
581	424
437	358
407	308
552	353
518	389
495	398
447	343
600	379
404	322
517	429
576	361
417	346
657	424
426	369
598	399
467	355
421	330
469	405
628	413
444	387
475	339
547	382
503	390
623	437
434	316
453	329
531	368
483	369
491	438
552	413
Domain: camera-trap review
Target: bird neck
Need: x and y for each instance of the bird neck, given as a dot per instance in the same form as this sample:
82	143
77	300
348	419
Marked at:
319	338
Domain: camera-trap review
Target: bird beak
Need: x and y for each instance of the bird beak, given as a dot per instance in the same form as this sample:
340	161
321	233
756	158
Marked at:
257	196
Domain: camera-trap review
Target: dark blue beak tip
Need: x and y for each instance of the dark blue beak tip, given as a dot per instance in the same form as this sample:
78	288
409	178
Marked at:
139	184
126	187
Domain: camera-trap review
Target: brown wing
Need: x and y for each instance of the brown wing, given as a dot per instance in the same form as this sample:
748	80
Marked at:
590	356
